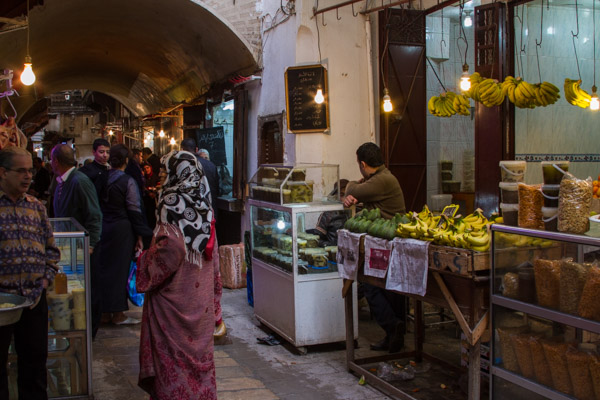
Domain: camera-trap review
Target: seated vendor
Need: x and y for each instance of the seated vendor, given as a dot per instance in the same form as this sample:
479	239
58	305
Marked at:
380	189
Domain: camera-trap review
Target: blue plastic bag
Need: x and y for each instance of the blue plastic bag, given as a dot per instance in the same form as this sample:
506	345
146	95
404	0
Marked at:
135	297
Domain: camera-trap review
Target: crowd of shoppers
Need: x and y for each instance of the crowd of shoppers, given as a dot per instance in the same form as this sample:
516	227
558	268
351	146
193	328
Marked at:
126	205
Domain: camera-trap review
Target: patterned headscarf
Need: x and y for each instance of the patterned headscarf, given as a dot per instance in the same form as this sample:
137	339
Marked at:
185	201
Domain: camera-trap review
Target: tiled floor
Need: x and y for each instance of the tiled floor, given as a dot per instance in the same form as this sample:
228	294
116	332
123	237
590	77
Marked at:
248	370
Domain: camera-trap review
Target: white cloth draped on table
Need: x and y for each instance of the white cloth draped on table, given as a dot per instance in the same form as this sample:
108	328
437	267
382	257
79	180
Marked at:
408	266
348	253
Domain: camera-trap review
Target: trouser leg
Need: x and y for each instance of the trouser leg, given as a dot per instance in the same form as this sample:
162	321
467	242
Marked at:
96	290
6	333
31	345
381	308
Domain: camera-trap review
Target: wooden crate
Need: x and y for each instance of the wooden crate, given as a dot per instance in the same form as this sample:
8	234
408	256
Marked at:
468	262
455	259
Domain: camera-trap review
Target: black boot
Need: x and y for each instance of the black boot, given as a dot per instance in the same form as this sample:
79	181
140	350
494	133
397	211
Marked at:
397	340
382	345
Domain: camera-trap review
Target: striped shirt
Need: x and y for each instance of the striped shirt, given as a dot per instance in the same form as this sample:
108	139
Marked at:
28	253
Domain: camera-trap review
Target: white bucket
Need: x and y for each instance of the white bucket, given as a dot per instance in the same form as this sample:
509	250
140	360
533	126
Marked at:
512	171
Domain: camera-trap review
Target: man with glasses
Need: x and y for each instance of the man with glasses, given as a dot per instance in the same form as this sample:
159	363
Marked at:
28	263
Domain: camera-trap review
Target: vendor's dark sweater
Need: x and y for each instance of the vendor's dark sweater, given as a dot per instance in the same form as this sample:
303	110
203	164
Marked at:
98	174
380	190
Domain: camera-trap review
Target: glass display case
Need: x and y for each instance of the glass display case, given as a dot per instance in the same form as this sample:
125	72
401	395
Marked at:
69	319
297	289
545	315
302	183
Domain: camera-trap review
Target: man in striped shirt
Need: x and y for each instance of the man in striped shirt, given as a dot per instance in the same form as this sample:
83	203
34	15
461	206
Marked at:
28	263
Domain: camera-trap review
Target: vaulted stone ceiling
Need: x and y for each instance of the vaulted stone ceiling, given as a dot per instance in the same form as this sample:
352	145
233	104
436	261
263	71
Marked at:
148	54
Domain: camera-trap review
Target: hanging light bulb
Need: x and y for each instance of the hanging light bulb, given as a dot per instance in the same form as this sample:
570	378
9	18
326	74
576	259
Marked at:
465	79
387	101
468	22
27	76
172	141
594	102
161	133
319	98
110	132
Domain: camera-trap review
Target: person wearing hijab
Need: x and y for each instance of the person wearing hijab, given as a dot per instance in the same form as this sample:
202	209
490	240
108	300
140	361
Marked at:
176	273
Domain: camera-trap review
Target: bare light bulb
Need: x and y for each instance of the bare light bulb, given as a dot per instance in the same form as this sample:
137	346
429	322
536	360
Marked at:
161	133
465	79
387	101
111	132
280	225
27	76
468	20
172	141
319	98
594	103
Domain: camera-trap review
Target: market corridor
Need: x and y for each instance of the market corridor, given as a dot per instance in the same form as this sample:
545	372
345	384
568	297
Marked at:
245	370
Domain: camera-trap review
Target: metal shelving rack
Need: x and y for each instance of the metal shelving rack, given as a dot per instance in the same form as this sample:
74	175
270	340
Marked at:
497	300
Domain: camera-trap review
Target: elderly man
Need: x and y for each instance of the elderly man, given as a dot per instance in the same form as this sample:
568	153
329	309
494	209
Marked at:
28	263
378	188
75	196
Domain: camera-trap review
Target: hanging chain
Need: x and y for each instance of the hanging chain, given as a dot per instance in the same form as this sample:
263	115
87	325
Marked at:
462	35
538	45
576	35
442	41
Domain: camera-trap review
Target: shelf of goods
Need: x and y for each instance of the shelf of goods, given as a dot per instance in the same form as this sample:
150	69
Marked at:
296	283
69	319
545	316
457	280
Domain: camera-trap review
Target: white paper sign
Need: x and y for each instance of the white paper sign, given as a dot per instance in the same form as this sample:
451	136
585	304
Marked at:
377	256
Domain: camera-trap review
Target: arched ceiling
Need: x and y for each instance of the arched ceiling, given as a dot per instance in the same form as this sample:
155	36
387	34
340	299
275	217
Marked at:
148	54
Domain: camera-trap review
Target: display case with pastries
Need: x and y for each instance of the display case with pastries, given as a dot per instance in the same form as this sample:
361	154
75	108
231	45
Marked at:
298	184
545	315
294	269
69	328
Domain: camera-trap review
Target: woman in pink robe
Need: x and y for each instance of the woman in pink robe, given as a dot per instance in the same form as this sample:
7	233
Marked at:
177	275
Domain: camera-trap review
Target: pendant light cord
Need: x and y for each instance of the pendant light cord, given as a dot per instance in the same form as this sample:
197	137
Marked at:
27	28
594	19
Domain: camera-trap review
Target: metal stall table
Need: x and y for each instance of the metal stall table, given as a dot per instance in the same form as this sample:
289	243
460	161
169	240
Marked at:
463	292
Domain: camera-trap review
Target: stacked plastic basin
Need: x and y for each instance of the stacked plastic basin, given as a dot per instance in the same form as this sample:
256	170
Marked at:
553	172
512	172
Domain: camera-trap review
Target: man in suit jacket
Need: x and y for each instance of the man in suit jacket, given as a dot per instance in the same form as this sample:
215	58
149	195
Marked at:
75	196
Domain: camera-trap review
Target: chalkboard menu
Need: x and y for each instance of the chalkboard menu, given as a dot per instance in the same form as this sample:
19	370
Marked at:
213	140
303	113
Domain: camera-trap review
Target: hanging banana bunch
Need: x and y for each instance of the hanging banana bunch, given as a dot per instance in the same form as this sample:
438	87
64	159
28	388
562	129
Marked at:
461	104
546	93
490	93
525	95
575	95
473	92
442	105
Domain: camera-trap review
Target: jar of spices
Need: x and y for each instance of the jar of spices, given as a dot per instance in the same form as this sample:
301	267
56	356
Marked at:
60	283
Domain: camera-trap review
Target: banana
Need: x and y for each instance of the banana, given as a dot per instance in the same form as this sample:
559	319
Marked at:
431	105
481	248
477	240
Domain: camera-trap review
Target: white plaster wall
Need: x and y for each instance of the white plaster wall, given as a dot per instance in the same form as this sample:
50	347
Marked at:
344	52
